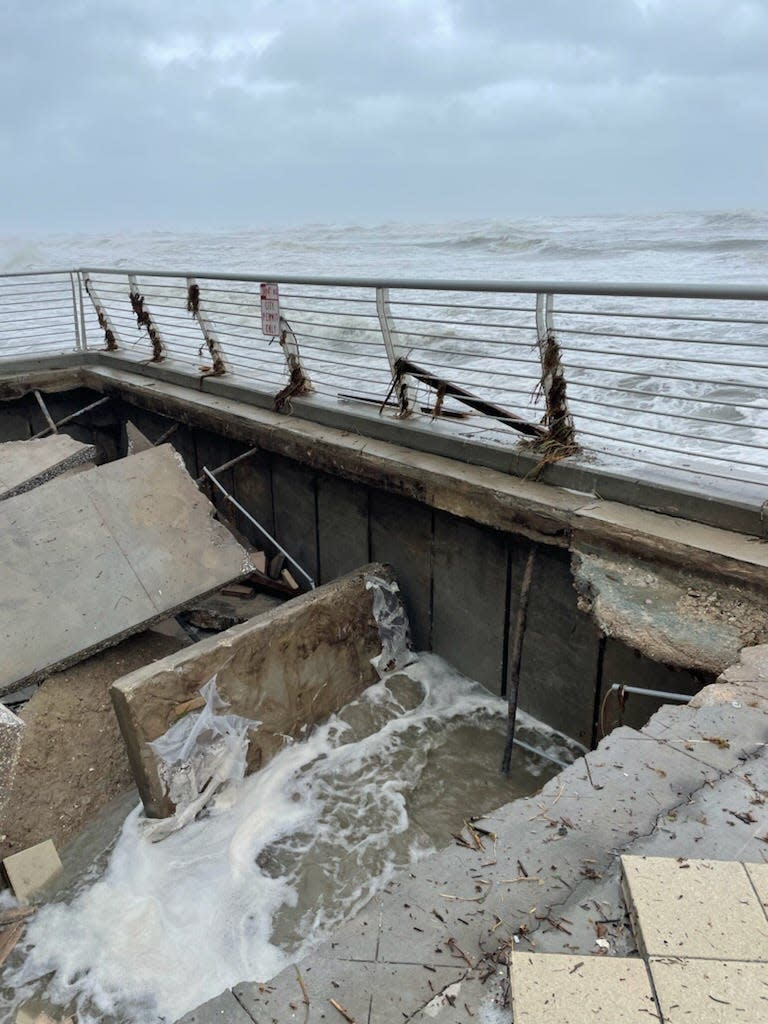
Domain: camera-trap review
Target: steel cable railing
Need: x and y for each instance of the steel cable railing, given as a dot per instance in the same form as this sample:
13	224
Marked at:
645	375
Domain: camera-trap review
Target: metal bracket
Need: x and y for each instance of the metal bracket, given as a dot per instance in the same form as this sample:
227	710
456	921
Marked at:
111	337
403	384
144	319
194	306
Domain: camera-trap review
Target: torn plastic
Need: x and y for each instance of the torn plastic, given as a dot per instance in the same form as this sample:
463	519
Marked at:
394	628
200	758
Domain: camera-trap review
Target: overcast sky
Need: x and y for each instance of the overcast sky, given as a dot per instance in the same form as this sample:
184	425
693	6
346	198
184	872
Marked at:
120	114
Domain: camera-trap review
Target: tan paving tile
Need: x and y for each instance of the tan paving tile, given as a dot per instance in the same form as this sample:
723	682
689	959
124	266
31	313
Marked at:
580	990
29	870
695	908
711	991
759	875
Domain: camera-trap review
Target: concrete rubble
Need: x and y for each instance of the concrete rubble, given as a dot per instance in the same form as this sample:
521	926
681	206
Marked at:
287	669
692	784
25	465
89	560
11	730
677	618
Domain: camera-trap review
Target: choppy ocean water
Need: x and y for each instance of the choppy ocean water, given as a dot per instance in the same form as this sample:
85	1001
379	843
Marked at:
663	385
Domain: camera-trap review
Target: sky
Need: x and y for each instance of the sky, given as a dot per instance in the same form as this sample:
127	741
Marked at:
184	114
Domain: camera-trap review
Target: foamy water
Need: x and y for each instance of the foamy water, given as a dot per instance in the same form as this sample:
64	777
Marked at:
299	847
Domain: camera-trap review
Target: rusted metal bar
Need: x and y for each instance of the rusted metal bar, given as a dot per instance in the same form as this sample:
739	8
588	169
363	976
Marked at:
111	337
194	306
445	389
298	382
515	658
144	319
71	416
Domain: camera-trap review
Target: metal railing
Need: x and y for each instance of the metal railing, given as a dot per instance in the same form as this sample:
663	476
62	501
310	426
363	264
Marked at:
650	376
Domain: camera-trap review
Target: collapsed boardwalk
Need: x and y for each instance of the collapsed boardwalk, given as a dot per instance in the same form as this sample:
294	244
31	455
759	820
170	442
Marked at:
692	783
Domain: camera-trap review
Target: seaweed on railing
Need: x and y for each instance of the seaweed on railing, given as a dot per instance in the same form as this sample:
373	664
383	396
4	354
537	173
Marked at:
144	319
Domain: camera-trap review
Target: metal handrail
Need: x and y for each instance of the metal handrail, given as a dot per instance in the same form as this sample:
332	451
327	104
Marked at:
460	369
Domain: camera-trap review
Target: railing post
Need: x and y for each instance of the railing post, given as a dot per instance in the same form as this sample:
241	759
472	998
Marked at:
111	337
194	306
559	422
298	379
81	302
144	319
406	397
75	316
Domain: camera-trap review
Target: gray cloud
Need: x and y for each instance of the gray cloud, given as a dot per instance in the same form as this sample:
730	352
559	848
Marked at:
126	113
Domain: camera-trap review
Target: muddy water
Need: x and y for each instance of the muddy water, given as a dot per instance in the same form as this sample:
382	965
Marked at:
280	859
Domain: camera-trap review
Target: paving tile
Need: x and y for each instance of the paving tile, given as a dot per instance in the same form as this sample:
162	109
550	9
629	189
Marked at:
31	869
575	990
758	874
710	991
719	736
224	1009
703	908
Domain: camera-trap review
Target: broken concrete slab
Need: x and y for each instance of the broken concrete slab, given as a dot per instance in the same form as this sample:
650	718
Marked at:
287	669
673	617
25	465
578	990
694	908
11	728
31	870
90	560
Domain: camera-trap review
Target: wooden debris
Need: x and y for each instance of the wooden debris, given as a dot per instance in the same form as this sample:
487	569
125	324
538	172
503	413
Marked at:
8	939
276	566
344	1013
238	590
289	580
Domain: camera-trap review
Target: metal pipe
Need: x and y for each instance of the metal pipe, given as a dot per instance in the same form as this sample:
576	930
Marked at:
738	293
683	698
259	527
72	416
51	425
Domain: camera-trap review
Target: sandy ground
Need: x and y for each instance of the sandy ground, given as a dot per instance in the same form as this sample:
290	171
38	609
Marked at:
73	761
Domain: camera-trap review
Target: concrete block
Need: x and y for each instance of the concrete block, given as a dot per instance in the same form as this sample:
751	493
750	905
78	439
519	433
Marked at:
31	870
401	536
579	990
696	908
469	598
342	525
293	490
710	991
11	730
91	559
224	1009
558	673
27	464
287	669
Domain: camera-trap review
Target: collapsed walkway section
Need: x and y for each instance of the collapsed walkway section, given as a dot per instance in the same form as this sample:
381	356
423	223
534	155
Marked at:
25	465
91	559
284	671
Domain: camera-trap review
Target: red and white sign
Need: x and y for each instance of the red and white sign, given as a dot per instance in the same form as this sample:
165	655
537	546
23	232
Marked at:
270	310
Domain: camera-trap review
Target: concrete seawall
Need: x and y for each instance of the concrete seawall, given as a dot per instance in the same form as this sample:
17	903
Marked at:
457	535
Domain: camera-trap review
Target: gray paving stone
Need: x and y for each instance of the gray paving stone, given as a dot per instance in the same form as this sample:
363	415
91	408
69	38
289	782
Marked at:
718	736
27	464
711	992
349	982
697	908
224	1009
